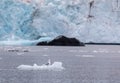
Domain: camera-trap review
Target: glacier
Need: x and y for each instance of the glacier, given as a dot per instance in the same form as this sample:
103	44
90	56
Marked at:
32	20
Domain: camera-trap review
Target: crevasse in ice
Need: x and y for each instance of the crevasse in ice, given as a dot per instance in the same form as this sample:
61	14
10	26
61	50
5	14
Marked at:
15	21
33	19
19	20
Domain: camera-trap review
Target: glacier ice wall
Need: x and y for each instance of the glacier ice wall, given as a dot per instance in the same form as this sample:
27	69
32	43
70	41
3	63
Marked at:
15	21
32	19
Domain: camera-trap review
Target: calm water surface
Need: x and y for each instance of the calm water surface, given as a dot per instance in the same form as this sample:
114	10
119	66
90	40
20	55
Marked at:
90	64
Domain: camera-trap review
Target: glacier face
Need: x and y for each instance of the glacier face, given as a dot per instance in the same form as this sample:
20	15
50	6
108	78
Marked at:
15	21
32	19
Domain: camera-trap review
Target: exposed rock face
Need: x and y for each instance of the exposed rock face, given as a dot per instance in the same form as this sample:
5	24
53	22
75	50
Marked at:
62	41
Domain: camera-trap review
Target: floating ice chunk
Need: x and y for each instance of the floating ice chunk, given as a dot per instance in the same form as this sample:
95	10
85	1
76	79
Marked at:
45	48
17	50
95	51
86	56
72	50
20	53
56	66
45	55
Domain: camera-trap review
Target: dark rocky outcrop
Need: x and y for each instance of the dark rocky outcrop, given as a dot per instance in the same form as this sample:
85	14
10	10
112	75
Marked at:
62	41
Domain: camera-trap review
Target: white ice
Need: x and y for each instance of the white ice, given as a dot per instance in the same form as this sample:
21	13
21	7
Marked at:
56	66
86	56
32	19
25	42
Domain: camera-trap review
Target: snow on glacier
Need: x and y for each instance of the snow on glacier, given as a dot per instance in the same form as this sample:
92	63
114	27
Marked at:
32	19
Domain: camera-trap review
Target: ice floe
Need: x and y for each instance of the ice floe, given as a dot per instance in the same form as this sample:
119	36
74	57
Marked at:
56	66
86	56
73	51
45	55
101	51
17	50
20	53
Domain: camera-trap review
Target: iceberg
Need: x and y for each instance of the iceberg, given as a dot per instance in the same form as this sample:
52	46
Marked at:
56	66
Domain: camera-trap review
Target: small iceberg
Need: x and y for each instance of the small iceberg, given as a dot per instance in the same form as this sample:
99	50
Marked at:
56	66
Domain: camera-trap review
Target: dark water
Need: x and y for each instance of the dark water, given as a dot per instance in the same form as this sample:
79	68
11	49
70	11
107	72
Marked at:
90	64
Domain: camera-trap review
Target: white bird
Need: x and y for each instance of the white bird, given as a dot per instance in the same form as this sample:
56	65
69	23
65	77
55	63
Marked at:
49	62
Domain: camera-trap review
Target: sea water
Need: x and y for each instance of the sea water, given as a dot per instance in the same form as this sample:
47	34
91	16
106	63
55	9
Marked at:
89	64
